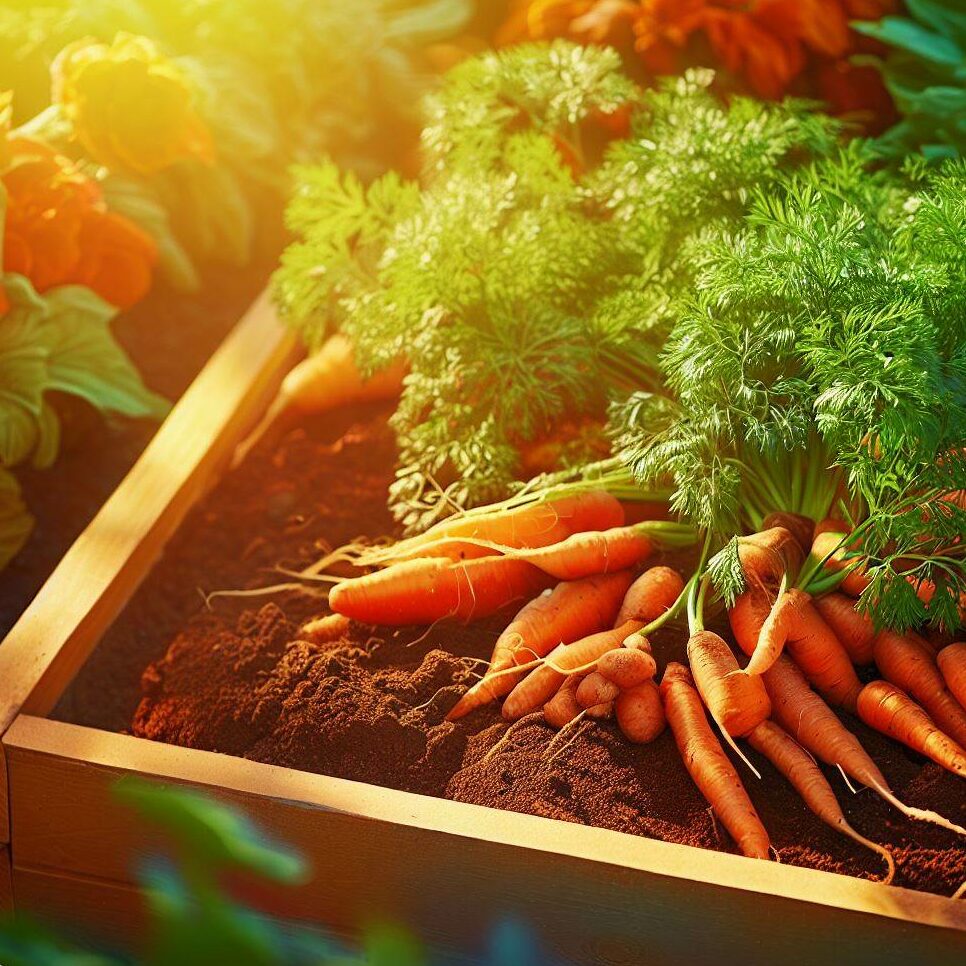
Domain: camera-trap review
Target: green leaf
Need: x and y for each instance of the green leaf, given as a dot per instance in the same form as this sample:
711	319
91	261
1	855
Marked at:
945	16
910	36
48	437
15	520
85	360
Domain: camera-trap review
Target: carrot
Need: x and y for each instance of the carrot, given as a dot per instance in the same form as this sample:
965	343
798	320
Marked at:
600	711
326	380
570	611
828	546
562	708
639	712
796	624
767	556
909	664
788	756
588	553
890	710
747	617
707	763
855	631
737	701
535	689
627	667
324	629
808	719
427	590
952	663
651	595
799	526
596	689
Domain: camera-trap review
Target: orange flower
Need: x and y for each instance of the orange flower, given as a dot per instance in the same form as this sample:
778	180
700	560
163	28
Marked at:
590	21
58	230
663	27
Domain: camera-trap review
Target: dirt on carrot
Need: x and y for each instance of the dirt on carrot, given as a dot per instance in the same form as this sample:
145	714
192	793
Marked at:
370	705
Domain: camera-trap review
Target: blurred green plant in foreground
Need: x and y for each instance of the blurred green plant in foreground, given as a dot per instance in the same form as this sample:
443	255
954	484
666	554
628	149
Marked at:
193	922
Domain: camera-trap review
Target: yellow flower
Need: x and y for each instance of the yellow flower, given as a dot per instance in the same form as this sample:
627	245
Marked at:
131	108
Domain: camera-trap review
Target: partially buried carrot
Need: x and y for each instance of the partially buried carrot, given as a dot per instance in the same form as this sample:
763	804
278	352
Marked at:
570	611
591	552
767	556
794	623
595	689
890	710
432	589
855	631
651	595
908	663
562	708
539	686
708	765
639	713
798	766
951	661
627	667
324	629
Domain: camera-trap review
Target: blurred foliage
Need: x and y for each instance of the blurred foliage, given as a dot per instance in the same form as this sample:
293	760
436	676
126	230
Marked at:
925	70
195	923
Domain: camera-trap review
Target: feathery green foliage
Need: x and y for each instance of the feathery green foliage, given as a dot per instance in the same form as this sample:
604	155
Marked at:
530	276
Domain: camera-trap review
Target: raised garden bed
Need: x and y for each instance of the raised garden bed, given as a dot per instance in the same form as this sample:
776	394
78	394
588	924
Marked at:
382	838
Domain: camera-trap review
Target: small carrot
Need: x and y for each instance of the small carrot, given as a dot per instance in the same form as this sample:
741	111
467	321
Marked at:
767	556
537	688
747	617
737	701
627	667
788	756
708	765
799	526
952	662
890	710
562	708
639	713
591	552
909	664
795	624
808	719
829	546
427	590
651	595
855	631
567	613
601	711
324	629
595	689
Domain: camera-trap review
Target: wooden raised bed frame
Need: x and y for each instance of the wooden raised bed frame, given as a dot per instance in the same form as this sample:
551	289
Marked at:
449	870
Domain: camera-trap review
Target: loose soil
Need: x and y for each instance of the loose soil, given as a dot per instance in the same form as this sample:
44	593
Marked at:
237	678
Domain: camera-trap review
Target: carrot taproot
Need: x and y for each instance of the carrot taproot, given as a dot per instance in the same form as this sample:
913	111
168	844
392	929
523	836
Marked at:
747	617
951	661
795	624
541	683
855	631
798	525
767	556
324	629
889	709
570	611
627	667
639	713
651	595
590	552
595	689
829	549
798	766
808	719
708	765
601	711
909	664
737	701
562	708
430	589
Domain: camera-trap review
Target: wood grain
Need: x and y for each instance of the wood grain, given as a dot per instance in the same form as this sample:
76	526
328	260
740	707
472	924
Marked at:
6	881
105	565
452	870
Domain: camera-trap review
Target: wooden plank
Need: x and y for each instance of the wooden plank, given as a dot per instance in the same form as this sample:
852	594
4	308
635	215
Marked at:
6	881
103	568
451	870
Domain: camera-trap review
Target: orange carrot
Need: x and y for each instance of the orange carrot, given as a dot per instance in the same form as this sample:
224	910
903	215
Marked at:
909	664
952	662
639	712
570	611
788	756
324	629
708	765
537	688
829	544
651	595
600	711
795	623
627	667
427	590
747	618
737	701
808	719
562	708
767	556
592	552
855	631
799	526
595	689
890	710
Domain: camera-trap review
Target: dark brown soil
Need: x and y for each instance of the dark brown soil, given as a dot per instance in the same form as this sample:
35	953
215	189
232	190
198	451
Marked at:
238	679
